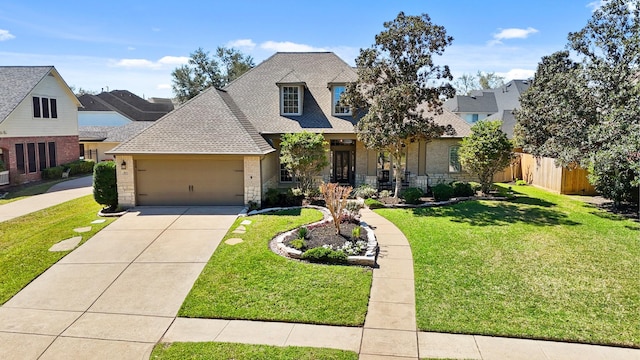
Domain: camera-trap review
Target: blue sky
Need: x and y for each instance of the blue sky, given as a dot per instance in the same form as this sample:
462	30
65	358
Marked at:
135	45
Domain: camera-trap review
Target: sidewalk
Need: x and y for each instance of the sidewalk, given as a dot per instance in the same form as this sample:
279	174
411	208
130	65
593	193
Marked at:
57	194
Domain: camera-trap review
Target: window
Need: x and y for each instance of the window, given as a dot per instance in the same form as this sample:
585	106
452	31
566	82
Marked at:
339	108
285	175
45	108
454	160
42	155
52	154
474	118
291	100
31	157
20	158
82	151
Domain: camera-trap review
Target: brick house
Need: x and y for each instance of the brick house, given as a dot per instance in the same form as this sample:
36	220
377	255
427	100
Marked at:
38	121
222	147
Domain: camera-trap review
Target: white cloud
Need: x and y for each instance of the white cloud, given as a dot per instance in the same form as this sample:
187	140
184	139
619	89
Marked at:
288	46
6	35
595	5
246	44
163	86
517	74
173	60
512	33
164	62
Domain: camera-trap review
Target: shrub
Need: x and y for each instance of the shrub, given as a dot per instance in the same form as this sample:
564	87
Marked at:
355	233
412	195
80	167
271	197
275	197
462	189
364	191
373	204
298	244
324	255
476	186
521	183
351	211
384	193
105	189
442	192
335	197
303	232
52	173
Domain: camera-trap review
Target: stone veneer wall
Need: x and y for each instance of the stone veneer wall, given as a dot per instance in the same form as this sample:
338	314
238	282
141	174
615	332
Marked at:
252	186
126	182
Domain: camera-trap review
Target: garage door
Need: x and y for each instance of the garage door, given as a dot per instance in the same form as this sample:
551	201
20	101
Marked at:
189	182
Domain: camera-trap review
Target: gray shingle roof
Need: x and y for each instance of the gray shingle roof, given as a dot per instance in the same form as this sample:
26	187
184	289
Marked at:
127	104
508	121
478	102
207	124
257	93
112	133
16	82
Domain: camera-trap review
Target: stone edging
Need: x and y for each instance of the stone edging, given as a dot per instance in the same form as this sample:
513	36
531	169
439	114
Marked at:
369	259
116	214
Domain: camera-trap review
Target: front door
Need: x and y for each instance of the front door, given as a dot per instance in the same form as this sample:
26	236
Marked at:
342	167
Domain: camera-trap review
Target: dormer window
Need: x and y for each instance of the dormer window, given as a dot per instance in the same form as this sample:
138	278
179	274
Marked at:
291	99
338	108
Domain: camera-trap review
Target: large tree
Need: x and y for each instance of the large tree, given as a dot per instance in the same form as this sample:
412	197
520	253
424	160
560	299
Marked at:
595	101
485	152
203	71
467	83
395	87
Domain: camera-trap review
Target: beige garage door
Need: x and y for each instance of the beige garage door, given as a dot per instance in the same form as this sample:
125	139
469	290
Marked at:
189	182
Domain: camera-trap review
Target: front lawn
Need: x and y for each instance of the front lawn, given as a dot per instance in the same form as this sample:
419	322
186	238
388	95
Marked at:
248	281
24	191
224	351
540	266
25	241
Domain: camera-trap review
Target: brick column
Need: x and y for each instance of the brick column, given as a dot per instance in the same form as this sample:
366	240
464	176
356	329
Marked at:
126	181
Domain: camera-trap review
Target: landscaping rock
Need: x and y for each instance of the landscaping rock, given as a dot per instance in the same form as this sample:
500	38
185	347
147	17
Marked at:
82	229
233	241
100	221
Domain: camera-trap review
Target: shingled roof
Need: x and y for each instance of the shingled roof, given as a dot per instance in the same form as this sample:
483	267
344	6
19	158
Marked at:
114	134
16	83
126	103
258	95
210	123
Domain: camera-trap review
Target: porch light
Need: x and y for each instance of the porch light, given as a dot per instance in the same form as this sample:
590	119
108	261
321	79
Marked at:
123	165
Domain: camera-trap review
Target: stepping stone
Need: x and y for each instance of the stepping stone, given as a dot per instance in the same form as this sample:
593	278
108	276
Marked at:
66	245
233	241
100	221
245	222
82	229
238	231
241	228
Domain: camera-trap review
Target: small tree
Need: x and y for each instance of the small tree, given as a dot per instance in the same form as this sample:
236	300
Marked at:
105	189
485	152
335	197
304	156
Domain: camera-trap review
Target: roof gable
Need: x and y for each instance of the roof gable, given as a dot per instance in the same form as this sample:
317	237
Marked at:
16	83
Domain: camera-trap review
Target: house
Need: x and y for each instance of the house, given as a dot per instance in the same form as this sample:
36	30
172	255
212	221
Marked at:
38	121
490	104
222	147
96	141
120	107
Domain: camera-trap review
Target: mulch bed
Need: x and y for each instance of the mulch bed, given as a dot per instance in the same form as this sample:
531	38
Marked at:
325	234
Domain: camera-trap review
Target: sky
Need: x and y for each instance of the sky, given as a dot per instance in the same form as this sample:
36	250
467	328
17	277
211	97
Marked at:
135	45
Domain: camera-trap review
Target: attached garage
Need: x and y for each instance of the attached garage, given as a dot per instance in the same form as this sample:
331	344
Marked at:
189	181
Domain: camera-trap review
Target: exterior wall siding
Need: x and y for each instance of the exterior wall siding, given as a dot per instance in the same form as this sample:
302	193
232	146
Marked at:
67	150
21	123
96	151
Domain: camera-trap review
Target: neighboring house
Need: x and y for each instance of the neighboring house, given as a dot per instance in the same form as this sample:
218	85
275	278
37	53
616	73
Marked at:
120	107
38	121
95	141
490	104
109	118
222	147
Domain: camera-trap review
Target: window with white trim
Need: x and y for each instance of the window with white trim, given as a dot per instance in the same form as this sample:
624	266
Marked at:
338	107
44	107
291	100
454	160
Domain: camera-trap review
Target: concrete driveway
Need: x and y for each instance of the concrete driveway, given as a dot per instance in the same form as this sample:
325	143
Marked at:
116	295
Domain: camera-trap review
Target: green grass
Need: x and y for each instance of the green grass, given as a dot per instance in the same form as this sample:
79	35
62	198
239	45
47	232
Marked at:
26	190
248	281
25	241
540	266
224	351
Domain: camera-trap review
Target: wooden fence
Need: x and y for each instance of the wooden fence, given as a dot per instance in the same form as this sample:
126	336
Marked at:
544	173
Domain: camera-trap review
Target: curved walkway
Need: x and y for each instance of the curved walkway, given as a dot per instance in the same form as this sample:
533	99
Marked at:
57	194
